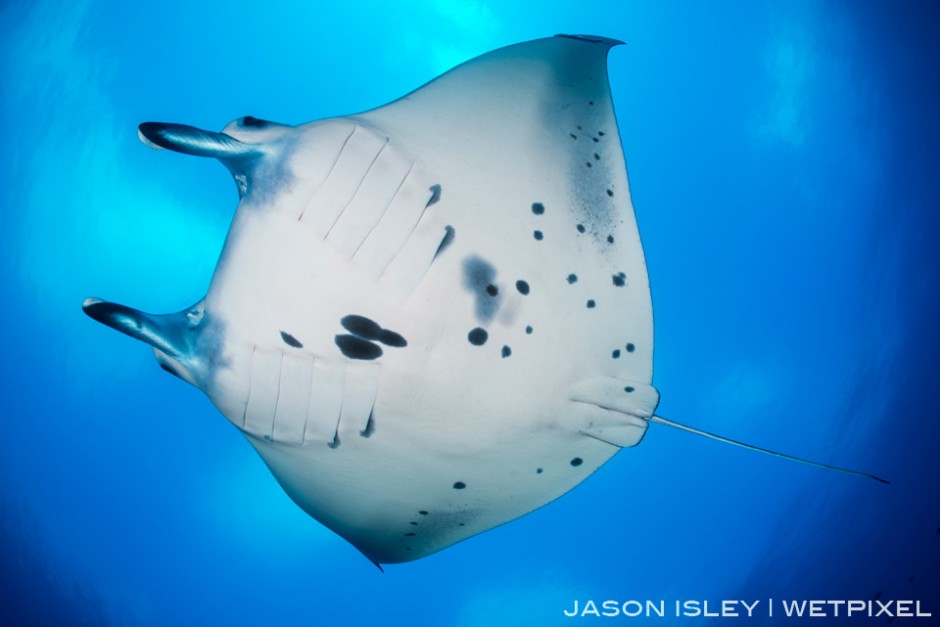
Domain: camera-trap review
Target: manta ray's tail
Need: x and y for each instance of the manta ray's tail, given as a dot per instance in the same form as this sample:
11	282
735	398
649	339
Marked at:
712	436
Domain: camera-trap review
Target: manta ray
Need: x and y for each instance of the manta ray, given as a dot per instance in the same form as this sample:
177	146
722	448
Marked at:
432	317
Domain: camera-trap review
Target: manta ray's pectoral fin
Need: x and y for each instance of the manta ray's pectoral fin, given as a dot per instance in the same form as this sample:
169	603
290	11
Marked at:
613	410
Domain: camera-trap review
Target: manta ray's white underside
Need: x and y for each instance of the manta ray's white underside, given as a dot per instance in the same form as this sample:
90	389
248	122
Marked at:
432	317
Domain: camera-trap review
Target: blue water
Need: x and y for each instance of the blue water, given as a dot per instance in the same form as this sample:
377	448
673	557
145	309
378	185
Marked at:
782	160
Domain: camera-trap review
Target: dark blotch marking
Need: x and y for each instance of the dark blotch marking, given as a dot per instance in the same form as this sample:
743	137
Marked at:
528	330
587	163
390	338
538	208
523	287
601	133
619	279
591	304
579	127
629	389
537	235
572	136
610	193
610	239
449	234
597	157
506	352
595	139
423	512
407	548
368	329
249	120
460	524
410	534
365	328
577	461
630	348
538	471
581	228
572	279
616	354
413	522
435	194
478	276
591	102
460	485
478	336
492	290
358	348
290	340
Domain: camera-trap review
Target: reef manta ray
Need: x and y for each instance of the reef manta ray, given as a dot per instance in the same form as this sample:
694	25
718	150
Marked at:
433	317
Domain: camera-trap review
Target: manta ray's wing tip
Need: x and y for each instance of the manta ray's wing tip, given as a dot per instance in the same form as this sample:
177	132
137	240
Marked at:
88	302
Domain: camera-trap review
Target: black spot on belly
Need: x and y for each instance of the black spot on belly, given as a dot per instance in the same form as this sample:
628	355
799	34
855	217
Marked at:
357	348
591	304
538	208
537	235
629	389
588	164
479	276
577	461
506	352
528	330
597	157
601	133
538	471
591	102
409	534
413	522
610	239
390	338
290	340
616	354
572	279
572	136
435	194
630	348
478	336
595	139
449	234
581	228
460	485
523	287
368	329
423	512
610	193
619	279
361	326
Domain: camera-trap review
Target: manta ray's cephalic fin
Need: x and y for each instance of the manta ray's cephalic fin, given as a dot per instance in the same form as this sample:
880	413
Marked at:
194	141
166	332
